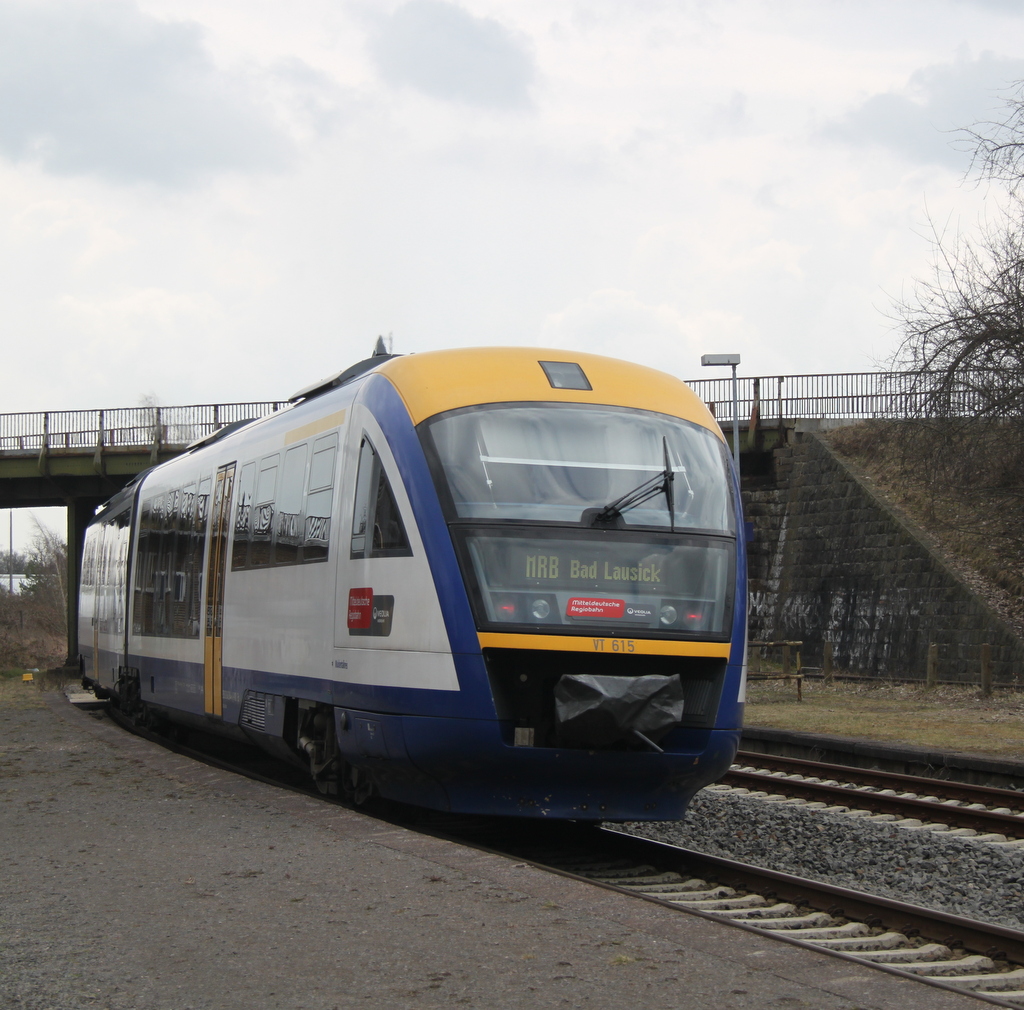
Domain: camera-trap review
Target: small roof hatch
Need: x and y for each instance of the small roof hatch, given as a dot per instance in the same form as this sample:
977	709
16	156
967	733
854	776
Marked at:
565	375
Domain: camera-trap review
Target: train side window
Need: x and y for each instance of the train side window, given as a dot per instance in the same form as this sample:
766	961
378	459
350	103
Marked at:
164	575
263	513
157	571
203	505
164	578
168	565
196	526
89	559
143	601
122	524
181	625
288	530
320	499
243	517
202	516
377	528
361	513
101	591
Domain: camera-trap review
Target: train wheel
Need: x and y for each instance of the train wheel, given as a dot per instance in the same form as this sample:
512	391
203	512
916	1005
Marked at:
318	742
355	785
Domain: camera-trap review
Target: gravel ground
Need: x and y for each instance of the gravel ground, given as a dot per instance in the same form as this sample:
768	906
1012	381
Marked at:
933	869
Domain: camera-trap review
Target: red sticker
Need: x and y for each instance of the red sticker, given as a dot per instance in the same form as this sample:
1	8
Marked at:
584	606
360	608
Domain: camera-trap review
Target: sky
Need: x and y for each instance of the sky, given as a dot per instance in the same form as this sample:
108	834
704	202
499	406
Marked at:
222	201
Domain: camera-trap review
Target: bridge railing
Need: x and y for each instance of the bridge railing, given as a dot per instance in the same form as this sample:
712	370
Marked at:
768	397
121	427
841	395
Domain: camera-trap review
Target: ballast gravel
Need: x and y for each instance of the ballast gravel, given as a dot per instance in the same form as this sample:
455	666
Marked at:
938	870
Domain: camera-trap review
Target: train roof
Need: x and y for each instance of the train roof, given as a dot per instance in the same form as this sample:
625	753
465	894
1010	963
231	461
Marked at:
432	382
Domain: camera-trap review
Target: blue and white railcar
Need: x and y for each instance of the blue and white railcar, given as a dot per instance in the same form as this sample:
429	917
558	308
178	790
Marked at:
411	579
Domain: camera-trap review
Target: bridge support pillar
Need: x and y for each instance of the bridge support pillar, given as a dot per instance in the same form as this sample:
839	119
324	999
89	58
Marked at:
80	511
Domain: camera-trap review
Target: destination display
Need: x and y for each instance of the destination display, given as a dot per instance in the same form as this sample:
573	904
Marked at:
668	587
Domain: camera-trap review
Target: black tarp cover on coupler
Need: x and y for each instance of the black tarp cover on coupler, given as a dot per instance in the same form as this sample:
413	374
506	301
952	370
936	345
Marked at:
599	711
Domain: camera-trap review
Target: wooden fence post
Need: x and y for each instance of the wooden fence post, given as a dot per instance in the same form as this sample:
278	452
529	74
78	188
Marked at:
932	678
785	660
986	670
826	662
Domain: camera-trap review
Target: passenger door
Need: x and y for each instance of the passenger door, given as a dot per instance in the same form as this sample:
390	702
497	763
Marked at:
216	564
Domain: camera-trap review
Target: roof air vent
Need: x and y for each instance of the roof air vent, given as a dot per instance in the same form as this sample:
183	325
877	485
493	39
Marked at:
379	356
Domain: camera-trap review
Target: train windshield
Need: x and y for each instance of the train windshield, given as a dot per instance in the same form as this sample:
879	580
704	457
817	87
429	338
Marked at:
553	462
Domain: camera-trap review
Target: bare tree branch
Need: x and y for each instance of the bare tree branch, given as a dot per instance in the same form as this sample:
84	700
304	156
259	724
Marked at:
998	144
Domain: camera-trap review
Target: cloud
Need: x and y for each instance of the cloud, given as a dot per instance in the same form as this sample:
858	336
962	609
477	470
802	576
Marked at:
616	322
106	90
924	120
1012	7
133	327
445	52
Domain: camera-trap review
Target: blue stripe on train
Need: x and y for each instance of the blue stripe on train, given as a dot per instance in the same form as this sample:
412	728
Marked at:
179	685
431	758
481	772
475	700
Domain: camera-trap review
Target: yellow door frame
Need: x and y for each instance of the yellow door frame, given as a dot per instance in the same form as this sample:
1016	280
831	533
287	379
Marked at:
216	564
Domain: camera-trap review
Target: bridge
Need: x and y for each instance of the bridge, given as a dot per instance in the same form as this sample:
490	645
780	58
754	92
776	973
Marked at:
80	458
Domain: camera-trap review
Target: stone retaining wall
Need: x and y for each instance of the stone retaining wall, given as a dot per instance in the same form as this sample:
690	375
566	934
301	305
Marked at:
831	560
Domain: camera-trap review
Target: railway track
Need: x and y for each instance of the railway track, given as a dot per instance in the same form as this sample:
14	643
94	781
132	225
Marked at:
947	951
936	948
995	815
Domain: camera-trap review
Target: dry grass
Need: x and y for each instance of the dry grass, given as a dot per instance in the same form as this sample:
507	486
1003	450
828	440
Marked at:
946	718
31	632
15	694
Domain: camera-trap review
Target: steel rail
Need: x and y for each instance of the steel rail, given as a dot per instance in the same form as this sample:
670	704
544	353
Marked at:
899	806
988	939
942	927
966	791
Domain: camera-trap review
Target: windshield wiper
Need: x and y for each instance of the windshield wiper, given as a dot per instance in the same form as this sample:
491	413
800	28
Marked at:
661	483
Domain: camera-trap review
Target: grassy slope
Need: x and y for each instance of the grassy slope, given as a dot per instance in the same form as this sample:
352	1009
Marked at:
955	719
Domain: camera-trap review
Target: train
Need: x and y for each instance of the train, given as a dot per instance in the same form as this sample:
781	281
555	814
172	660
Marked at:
496	580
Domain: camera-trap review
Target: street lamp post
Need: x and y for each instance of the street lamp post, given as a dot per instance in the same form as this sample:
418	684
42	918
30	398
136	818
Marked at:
734	360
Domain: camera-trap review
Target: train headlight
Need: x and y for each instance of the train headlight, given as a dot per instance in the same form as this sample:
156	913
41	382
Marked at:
540	609
668	615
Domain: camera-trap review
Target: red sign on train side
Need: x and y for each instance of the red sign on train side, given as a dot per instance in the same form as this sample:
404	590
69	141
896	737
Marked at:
360	608
585	606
